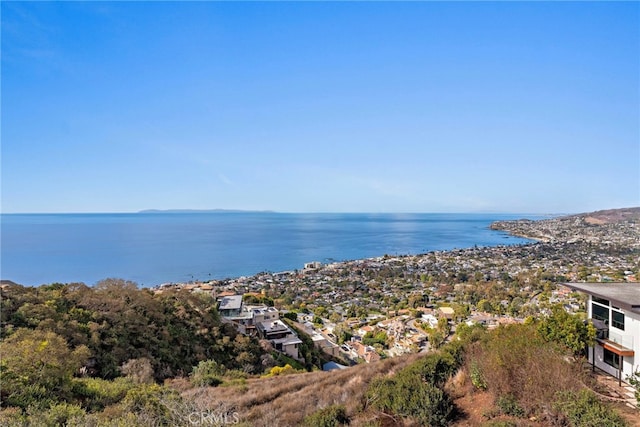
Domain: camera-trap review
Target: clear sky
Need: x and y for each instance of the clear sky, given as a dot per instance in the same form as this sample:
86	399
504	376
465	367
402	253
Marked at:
320	107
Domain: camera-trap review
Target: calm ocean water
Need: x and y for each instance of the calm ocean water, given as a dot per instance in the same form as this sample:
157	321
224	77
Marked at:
154	248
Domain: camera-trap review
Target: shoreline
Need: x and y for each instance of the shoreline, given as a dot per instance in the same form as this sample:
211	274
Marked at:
556	231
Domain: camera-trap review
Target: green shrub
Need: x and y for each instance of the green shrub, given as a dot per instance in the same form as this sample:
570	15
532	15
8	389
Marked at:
331	416
509	406
235	374
96	393
60	415
500	423
291	315
12	417
37	368
433	368
477	379
583	409
207	373
416	391
33	396
407	395
568	330
634	380
153	402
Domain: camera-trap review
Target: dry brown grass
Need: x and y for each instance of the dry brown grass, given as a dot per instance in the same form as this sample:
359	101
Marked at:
518	363
287	400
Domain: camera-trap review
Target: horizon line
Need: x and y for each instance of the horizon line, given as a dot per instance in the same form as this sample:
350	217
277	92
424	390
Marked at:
269	211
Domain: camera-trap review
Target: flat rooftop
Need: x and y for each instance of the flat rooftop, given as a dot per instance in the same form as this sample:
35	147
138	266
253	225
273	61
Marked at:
624	295
273	326
233	302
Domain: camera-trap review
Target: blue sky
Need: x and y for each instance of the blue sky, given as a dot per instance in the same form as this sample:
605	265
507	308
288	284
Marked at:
320	107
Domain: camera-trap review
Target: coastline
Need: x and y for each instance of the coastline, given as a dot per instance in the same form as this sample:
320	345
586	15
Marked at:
180	248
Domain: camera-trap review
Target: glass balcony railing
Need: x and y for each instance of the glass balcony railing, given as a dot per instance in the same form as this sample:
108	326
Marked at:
623	340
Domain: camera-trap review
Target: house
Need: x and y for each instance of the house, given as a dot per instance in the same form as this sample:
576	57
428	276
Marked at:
312	265
363	330
447	312
261	320
365	352
323	344
430	319
280	336
263	313
614	309
230	305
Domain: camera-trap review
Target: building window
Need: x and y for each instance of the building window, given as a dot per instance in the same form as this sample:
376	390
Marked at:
611	359
600	301
617	320
599	312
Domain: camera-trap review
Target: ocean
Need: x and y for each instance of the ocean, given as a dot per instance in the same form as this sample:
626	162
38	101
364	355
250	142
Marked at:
155	248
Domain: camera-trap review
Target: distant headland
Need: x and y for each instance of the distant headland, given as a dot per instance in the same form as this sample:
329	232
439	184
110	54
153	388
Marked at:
150	211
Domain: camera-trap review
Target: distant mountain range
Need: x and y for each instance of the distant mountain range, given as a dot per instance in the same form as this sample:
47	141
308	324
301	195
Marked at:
147	211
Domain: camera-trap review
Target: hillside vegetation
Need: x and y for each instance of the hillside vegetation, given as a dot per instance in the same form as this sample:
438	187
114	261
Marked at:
512	376
519	374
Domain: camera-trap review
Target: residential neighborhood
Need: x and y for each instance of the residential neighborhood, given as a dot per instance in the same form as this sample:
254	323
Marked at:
363	310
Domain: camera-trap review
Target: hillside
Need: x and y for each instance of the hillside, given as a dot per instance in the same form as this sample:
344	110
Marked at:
617	227
487	379
288	399
610	216
115	354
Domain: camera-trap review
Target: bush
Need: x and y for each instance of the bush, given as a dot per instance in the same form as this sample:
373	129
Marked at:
406	395
583	409
96	393
10	417
509	406
434	368
516	361
291	315
417	390
477	379
37	368
61	414
634	380
33	396
280	370
331	416
153	402
568	330
207	373
501	423
139	370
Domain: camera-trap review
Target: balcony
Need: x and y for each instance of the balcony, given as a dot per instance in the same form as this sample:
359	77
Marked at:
619	344
623	340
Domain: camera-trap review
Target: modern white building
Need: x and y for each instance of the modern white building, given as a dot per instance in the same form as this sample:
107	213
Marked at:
262	321
280	336
614	309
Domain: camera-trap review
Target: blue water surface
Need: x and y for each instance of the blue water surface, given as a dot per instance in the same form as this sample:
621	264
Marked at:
154	248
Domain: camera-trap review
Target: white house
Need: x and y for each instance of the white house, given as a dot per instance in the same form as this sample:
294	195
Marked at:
261	320
281	337
614	309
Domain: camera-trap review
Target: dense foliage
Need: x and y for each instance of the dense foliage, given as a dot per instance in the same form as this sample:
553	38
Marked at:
569	330
52	333
417	391
331	416
74	355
